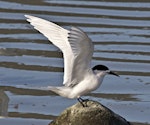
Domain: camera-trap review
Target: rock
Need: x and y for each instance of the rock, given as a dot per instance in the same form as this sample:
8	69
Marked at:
94	114
3	104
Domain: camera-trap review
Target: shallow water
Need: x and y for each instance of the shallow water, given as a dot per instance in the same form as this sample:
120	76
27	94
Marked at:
120	31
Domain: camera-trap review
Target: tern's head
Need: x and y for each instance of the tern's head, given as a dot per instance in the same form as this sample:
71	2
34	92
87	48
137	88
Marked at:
103	70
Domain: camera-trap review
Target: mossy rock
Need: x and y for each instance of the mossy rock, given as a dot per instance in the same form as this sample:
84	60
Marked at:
94	114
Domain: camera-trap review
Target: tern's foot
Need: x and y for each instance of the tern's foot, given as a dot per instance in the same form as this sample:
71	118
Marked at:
83	102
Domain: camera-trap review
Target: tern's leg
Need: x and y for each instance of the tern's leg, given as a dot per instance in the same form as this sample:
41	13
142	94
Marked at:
82	101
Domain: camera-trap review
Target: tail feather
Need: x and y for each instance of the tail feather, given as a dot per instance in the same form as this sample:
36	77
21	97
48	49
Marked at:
62	91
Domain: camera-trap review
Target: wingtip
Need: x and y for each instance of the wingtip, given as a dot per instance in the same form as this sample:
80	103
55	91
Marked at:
27	16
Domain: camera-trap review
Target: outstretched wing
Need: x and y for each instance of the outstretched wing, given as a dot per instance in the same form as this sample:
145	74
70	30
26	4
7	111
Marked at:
82	48
76	46
59	37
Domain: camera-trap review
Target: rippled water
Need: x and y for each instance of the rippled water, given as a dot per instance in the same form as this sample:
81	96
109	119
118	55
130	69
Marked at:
120	31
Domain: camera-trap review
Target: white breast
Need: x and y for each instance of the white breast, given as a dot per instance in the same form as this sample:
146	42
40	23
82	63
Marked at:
88	84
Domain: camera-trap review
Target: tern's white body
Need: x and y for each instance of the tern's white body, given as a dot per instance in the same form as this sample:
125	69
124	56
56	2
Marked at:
89	83
77	48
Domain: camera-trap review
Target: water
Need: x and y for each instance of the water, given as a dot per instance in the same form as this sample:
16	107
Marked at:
120	31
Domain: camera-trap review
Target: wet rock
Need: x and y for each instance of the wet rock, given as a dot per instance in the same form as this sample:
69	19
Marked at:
94	114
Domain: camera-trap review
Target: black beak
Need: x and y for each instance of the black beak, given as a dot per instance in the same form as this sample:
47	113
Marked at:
112	73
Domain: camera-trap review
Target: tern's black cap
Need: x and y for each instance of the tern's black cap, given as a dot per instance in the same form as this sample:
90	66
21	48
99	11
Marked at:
100	67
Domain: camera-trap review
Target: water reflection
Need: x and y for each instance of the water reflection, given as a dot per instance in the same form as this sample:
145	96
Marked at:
117	97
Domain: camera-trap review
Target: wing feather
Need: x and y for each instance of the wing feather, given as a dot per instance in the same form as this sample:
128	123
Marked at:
76	46
82	48
59	37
